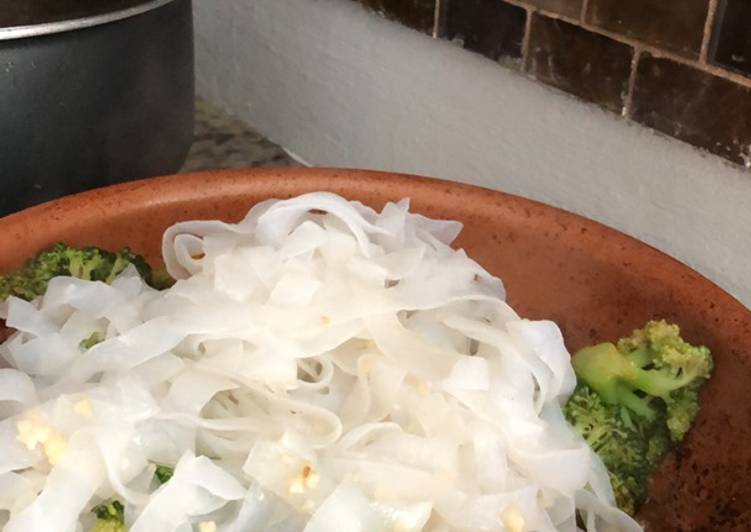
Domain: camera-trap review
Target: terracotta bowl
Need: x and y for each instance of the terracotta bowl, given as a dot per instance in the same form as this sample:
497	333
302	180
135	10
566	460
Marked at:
596	283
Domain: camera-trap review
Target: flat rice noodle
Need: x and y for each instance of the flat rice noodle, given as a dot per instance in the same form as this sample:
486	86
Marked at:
347	508
14	456
16	388
262	510
192	389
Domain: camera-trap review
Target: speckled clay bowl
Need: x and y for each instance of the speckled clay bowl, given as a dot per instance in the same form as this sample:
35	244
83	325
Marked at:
596	283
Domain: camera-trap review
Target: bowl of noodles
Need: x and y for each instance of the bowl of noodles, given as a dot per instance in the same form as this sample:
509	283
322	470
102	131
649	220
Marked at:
343	350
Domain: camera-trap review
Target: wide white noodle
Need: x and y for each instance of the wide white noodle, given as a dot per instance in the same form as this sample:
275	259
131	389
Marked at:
319	366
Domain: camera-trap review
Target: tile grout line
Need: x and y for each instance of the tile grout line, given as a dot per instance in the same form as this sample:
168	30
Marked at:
583	14
652	50
707	35
436	18
525	39
628	100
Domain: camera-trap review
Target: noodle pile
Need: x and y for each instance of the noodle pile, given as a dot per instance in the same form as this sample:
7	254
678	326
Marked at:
318	366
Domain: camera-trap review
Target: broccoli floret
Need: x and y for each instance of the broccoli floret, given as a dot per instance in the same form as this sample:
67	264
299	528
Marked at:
629	446
653	364
89	263
683	406
110	517
91	341
636	400
163	473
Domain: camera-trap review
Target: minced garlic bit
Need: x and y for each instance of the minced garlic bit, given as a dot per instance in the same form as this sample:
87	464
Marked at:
33	432
325	320
308	478
513	519
55	448
423	388
207	526
84	408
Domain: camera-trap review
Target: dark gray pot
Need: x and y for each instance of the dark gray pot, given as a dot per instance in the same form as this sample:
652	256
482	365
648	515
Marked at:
102	98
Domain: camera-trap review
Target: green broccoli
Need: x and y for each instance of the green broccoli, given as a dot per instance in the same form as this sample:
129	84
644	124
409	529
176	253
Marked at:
636	400
89	263
163	473
651	368
91	341
629	446
110	517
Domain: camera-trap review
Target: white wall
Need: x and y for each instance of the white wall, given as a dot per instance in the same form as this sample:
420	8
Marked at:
342	87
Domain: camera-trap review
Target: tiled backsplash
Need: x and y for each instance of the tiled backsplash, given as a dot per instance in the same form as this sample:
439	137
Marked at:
682	67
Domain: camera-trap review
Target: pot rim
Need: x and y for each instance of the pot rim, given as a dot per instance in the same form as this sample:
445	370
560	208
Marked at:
62	26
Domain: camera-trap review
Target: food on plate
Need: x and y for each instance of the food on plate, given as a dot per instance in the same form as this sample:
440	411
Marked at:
635	400
317	366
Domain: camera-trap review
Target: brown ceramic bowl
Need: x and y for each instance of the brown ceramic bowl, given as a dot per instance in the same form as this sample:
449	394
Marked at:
596	283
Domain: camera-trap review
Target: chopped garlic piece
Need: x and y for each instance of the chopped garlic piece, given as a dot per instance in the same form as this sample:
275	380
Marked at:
55	448
307	479
513	520
33	432
207	526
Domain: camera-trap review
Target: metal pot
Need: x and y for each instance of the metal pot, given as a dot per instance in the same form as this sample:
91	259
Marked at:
92	92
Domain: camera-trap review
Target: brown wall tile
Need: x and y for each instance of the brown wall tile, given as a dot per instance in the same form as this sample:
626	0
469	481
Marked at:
569	8
694	106
677	25
492	28
575	60
732	35
417	14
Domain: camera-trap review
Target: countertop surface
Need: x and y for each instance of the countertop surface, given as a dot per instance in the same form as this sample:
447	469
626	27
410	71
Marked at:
223	141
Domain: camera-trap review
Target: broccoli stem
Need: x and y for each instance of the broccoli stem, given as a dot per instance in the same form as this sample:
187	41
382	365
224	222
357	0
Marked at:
638	405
